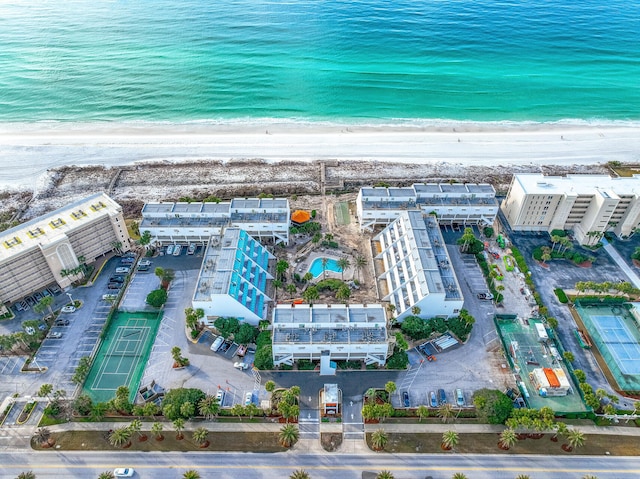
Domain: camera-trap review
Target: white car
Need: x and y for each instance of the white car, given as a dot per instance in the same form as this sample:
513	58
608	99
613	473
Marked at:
177	249
241	365
122	270
220	397
124	472
169	250
68	309
55	335
248	398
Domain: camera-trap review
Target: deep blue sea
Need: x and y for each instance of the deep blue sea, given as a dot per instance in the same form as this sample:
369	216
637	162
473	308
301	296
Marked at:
319	60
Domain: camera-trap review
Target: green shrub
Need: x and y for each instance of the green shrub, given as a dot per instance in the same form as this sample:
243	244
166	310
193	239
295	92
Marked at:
157	298
537	253
562	297
561	233
398	360
488	231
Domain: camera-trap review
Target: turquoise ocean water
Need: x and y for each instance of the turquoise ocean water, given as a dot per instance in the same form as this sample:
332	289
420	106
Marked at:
319	60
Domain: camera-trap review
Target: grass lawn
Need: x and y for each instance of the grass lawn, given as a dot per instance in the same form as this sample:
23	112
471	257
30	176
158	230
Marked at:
227	441
597	444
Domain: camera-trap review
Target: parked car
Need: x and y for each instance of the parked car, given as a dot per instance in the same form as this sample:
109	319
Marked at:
55	335
68	309
459	397
191	249
405	399
116	279
169	250
109	297
62	322
242	350
142	268
442	397
123	472
220	396
217	343
485	296
224	346
240	365
113	285
177	249
42	327
122	270
433	401
248	398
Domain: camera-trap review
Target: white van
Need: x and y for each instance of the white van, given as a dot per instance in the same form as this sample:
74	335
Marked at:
217	343
177	249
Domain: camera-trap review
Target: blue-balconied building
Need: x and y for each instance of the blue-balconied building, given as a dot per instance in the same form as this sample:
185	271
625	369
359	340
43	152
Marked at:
233	278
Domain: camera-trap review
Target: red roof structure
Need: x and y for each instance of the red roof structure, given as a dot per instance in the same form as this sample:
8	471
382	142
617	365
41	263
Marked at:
300	216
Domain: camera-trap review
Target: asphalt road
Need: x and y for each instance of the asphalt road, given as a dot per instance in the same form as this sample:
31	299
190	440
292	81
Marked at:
323	466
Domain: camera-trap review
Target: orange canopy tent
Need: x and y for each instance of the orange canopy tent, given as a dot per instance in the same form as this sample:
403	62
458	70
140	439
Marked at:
300	216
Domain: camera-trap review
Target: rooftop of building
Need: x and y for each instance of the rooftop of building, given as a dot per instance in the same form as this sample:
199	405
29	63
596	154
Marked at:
428	195
55	225
329	323
234	265
429	189
537	183
222	208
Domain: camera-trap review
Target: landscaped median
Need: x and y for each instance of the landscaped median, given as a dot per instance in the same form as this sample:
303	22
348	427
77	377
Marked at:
254	435
485	439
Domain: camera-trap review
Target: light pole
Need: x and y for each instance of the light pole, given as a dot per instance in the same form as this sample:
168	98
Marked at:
70	299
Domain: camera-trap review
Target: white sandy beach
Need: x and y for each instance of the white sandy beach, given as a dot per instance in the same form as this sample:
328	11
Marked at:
28	151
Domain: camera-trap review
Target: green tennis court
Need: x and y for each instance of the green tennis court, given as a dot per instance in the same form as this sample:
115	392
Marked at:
342	213
122	356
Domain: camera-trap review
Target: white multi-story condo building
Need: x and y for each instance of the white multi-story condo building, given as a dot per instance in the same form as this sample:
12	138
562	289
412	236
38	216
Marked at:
337	332
457	203
414	269
266	219
233	278
588	205
41	252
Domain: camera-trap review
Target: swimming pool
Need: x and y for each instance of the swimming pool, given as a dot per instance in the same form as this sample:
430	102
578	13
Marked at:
316	267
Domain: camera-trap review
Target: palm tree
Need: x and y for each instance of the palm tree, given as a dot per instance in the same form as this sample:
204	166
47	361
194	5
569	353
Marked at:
385	475
106	475
390	387
415	310
209	407
361	262
459	475
238	410
343	264
200	436
288	435
26	475
276	284
191	474
291	289
445	412
575	438
136	427
156	430
422	411
523	476
178	425
589	476
300	474
120	437
450	439
379	439
43	435
311	294
508	438
45	390
324	262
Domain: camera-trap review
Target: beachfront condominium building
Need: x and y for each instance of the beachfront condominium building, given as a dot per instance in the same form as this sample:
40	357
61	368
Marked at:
588	205
456	203
46	250
330	332
266	219
233	278
413	268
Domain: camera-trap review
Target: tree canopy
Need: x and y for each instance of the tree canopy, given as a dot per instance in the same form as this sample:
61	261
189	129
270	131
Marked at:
492	405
